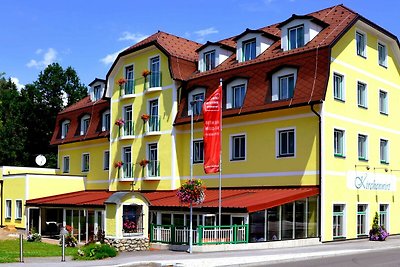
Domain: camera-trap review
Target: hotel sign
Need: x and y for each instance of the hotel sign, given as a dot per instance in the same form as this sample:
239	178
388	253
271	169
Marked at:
371	181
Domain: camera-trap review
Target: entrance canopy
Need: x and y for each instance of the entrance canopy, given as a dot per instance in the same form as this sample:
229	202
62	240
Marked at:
248	199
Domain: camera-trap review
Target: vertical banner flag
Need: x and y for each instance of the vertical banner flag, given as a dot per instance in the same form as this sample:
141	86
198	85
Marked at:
212	131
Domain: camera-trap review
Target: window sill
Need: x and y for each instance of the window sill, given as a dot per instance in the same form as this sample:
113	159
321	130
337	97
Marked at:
363	56
128	96
340	156
383	113
236	160
363	159
152	133
286	156
126	137
152	178
383	66
340	100
126	179
385	162
198	162
152	89
339	238
363	107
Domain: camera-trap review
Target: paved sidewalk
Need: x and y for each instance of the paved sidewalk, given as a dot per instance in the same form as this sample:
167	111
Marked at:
226	258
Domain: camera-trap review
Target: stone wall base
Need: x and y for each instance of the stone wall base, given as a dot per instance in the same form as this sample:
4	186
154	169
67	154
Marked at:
128	244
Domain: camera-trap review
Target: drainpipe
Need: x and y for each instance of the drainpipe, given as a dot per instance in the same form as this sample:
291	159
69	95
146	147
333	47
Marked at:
1	203
319	173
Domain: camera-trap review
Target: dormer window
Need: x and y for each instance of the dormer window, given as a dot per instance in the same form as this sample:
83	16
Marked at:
96	89
105	121
249	50
296	37
97	92
235	93
196	99
209	60
64	128
85	120
283	84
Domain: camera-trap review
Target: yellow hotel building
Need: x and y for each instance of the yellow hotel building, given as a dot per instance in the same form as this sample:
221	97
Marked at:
309	139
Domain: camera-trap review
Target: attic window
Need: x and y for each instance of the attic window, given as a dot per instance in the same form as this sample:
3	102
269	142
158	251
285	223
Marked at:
249	49
97	92
283	84
64	128
296	37
235	93
105	121
196	97
85	120
209	60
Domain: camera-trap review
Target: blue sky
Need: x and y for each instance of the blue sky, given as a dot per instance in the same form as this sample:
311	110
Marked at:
88	35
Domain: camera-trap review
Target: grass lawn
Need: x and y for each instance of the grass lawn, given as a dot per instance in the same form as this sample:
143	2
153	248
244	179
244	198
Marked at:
9	250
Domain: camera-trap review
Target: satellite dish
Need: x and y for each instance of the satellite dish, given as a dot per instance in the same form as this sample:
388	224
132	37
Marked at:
40	160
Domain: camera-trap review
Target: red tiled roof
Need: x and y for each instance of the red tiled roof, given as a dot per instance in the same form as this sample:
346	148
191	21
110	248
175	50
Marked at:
74	113
248	199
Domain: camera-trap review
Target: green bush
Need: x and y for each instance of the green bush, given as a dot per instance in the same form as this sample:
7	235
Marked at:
95	251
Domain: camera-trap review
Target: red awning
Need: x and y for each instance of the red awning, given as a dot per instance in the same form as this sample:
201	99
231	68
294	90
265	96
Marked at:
244	198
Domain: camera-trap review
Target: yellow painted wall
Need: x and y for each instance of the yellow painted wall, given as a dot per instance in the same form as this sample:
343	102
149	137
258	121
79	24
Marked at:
110	219
356	120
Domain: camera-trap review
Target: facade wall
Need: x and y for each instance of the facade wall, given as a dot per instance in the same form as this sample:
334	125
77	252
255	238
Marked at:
348	180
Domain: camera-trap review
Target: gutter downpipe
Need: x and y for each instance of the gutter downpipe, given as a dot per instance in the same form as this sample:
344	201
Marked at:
319	173
1	203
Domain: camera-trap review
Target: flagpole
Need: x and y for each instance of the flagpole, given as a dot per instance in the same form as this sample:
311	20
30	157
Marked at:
191	178
220	163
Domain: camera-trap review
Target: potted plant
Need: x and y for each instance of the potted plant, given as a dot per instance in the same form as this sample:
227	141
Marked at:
146	73
121	82
144	162
129	226
377	233
192	191
118	164
119	122
145	117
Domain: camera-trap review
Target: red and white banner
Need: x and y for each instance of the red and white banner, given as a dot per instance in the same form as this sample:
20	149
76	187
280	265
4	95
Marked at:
212	131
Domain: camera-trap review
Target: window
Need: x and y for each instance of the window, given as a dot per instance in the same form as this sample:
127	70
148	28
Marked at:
85	122
384	157
18	209
382	55
64	128
286	143
362	219
105	121
339	143
361	44
338	87
97	92
153	167
8	208
197	100
66	164
383	215
362	147
338	220
198	151
238	144
249	50
383	102
296	37
209	60
286	86
155	76
362	95
127	160
106	160
128	126
129	76
238	93
154	120
132	219
85	162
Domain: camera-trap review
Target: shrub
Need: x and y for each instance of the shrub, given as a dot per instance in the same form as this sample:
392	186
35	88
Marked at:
95	251
377	233
34	237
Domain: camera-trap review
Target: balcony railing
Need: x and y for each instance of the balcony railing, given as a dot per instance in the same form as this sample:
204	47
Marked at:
128	128
154	123
127	171
154	79
153	168
227	234
129	87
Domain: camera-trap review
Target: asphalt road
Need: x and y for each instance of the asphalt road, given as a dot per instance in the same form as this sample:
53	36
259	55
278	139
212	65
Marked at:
381	258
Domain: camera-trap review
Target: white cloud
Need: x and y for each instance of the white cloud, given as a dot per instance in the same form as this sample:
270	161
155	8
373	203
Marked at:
136	37
49	57
16	81
111	57
204	32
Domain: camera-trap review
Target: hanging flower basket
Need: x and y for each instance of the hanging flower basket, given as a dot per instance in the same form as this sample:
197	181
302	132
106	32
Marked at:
144	162
119	122
118	164
192	191
121	81
146	73
145	117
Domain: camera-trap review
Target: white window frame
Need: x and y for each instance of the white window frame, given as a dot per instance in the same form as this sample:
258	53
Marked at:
124	117
343	87
150	62
384	158
190	97
362	94
244	44
343	154
363	231
386	224
18	209
344	220
383	103
127	80
231	148
97	92
123	154
83	162
276	81
195	159
365	148
364	52
157	159
64	130
83	127
106	160
213	59
8	206
278	143
66	170
229	91
105	124
295	28
384	63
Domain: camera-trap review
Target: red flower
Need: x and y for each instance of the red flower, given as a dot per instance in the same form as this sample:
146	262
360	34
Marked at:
118	164
145	117
119	122
121	81
144	162
146	72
